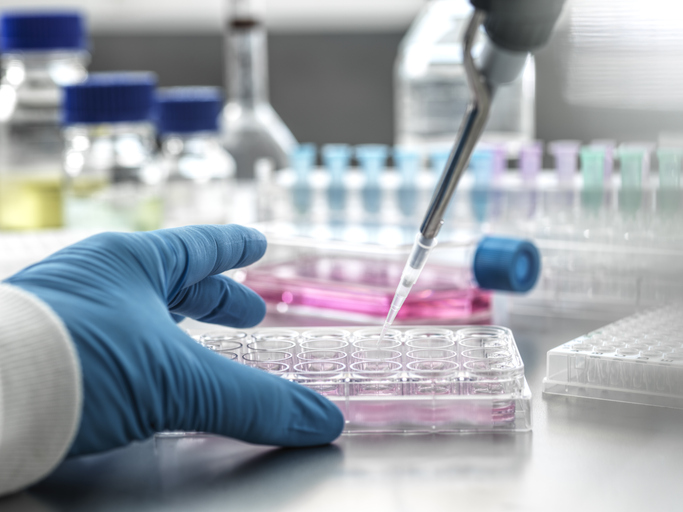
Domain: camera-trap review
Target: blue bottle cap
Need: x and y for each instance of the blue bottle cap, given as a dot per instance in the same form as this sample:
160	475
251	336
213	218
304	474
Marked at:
110	98
41	30
506	264
188	109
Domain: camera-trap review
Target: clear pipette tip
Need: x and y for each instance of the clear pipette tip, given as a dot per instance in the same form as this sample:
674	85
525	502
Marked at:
412	270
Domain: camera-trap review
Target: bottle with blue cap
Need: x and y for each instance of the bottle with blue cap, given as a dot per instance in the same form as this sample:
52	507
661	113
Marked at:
113	180
200	172
41	52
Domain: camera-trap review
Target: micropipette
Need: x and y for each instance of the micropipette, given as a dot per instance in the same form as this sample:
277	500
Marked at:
470	130
502	59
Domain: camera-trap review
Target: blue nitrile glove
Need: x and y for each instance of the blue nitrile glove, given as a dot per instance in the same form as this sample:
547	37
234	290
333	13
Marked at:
115	293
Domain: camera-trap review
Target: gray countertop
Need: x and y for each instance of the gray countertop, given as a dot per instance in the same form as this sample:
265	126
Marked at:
582	455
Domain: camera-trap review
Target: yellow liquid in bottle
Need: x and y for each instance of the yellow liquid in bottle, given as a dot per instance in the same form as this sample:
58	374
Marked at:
33	201
96	203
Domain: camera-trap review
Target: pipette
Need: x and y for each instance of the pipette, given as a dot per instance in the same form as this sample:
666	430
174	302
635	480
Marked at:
470	130
502	59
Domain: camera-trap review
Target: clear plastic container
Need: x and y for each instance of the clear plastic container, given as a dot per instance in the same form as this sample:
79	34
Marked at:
41	51
638	359
112	179
431	91
252	130
476	384
200	172
309	273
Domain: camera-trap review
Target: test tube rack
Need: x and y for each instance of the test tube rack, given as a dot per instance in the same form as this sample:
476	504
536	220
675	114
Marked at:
417	379
638	359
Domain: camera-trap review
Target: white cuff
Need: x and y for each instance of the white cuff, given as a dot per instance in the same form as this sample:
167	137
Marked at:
40	389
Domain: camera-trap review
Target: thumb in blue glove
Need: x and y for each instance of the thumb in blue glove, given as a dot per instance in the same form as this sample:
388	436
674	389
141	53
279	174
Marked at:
141	374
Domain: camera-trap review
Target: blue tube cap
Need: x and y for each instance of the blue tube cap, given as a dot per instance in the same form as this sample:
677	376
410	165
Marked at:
188	109
110	98
507	264
41	30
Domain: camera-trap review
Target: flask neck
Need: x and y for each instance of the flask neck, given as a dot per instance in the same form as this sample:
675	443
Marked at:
247	62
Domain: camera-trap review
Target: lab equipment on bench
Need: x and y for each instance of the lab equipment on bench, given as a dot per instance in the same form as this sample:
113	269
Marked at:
113	181
199	171
431	90
417	379
252	130
306	271
502	59
638	359
41	51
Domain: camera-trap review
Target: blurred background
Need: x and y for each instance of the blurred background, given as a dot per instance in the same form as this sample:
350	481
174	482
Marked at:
610	71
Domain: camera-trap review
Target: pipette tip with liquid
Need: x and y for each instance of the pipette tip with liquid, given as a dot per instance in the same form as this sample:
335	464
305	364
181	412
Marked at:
412	270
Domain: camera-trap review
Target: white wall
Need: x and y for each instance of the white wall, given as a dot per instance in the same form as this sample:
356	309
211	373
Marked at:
206	15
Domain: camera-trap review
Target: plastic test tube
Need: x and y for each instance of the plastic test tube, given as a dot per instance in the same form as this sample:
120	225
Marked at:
565	153
608	146
593	167
592	172
482	166
632	160
500	161
336	158
530	162
407	161
646	148
372	159
669	167
668	195
302	160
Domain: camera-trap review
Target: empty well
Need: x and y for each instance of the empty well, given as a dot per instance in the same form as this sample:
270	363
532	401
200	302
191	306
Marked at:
635	360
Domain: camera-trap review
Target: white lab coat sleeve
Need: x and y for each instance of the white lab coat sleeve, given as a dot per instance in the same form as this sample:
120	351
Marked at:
40	389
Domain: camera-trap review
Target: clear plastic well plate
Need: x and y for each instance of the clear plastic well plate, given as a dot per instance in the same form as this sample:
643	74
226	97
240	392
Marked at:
418	379
638	359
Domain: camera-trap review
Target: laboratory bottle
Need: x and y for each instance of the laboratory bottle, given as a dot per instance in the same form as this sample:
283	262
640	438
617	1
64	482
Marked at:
41	51
113	180
199	170
431	91
252	130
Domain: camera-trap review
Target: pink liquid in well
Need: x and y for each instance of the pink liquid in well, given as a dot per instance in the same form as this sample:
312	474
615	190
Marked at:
367	287
391	415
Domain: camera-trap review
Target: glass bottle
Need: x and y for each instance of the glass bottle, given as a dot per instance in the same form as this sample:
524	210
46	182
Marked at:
252	130
112	180
41	51
200	172
431	91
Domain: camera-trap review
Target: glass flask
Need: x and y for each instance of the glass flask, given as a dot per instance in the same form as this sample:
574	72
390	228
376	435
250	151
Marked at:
252	130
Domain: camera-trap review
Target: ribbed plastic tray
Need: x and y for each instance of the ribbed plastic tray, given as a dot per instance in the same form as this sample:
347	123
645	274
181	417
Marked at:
638	359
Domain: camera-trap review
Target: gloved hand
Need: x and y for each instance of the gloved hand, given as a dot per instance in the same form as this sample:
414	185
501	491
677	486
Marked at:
141	374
